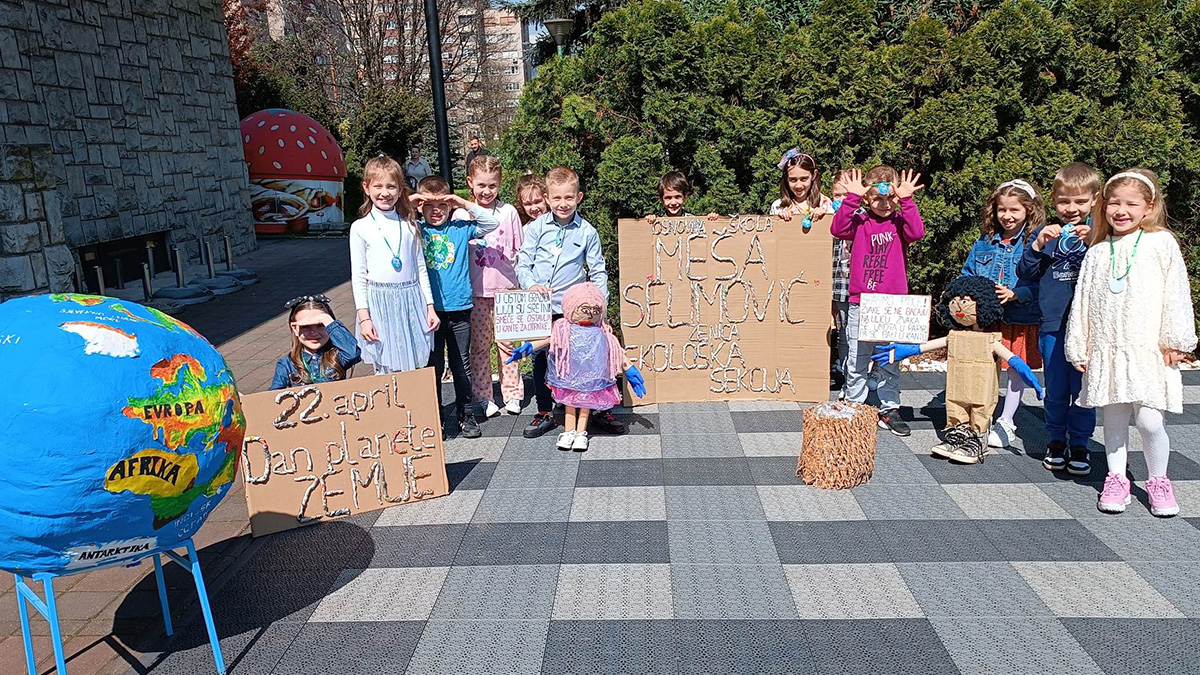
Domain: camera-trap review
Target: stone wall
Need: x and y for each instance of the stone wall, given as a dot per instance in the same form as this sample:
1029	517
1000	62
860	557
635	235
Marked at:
117	119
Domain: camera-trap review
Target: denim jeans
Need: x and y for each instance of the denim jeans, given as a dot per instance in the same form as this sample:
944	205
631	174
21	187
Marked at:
1065	420
859	364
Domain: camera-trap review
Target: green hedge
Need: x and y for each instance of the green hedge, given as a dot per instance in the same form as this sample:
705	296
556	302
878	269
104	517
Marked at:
1019	93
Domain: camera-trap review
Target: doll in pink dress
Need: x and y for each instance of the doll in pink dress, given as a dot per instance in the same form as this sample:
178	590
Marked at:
584	361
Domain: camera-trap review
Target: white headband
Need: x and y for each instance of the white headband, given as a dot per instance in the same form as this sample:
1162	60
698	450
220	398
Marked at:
1020	185
1136	176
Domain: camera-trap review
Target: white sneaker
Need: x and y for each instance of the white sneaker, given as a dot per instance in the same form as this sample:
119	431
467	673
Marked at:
580	444
566	440
1002	434
513	407
492	409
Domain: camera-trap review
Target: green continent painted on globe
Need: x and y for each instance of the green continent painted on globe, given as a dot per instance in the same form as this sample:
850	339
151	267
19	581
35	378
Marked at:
184	405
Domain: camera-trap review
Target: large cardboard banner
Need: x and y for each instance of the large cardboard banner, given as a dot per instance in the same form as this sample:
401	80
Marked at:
727	309
325	451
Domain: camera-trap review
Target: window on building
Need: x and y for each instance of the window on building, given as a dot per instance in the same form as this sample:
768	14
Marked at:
512	70
391	25
512	86
390	58
466	19
390	42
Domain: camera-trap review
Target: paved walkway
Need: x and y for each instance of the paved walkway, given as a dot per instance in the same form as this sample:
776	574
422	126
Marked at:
688	546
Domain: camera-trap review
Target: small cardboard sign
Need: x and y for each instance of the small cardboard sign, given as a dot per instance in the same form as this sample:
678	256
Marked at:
522	315
325	451
893	318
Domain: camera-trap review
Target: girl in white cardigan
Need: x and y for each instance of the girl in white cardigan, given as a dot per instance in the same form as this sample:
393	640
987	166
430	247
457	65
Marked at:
1131	325
396	320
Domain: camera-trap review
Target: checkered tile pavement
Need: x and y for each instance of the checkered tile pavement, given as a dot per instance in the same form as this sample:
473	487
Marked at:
688	546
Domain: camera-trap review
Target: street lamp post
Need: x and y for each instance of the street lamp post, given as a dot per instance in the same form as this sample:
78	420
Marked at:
560	30
438	85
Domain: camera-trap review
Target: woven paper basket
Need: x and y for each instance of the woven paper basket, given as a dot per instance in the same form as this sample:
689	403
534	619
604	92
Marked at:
839	445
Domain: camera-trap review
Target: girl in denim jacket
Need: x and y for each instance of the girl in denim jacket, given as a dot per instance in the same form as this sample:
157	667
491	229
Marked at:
1014	210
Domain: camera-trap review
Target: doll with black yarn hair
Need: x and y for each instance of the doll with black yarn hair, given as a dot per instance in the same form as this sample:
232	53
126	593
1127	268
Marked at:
970	309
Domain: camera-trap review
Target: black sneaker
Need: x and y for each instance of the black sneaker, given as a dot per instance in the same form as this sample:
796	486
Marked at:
1056	456
1079	464
967	447
890	420
541	423
607	422
470	427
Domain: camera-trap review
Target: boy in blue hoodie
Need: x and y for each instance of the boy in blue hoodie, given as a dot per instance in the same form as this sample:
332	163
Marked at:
1053	261
447	233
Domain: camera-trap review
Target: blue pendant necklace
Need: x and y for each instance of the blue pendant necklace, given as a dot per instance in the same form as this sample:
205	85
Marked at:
397	263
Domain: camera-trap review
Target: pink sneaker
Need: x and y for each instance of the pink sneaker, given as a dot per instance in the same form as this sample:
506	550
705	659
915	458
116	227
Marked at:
1162	497
1115	496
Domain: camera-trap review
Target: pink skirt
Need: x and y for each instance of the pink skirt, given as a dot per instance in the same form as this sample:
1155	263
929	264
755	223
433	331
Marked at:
602	399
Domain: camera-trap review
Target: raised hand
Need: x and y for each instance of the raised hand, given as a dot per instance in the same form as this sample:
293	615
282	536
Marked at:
636	382
909	184
520	353
1047	234
895	352
853	182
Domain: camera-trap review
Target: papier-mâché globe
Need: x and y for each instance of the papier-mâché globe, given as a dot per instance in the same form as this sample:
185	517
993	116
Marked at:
120	429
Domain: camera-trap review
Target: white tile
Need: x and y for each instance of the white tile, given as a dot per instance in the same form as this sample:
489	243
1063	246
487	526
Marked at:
627	591
382	594
875	591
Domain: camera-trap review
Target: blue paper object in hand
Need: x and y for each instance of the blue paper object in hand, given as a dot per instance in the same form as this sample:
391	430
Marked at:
636	382
1017	364
521	352
894	353
121	432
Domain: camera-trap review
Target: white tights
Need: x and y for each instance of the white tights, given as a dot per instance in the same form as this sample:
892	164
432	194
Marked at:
1012	396
1155	443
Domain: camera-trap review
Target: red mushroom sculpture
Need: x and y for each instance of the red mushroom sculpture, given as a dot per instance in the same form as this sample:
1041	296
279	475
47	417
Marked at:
297	171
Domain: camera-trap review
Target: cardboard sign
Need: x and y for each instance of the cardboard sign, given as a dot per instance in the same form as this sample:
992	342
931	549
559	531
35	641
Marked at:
893	318
325	451
730	309
522	315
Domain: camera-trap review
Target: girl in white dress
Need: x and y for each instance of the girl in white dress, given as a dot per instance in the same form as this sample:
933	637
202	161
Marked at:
387	270
1131	325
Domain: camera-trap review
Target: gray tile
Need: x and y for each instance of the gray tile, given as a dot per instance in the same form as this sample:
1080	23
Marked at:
772	406
263	596
906	502
731	592
252	648
416	545
827	542
1005	501
773	470
1157	539
900	470
1044	540
805	502
707	471
620	473
682	446
640	423
989	589
614	592
524	506
1013	646
873	591
619	503
470	475
861	646
533	476
456	507
693	407
616	542
322	648
996	468
1106	590
713	502
765	421
462	648
1079	501
1138	646
541	449
952	541
735	543
468	449
712	422
321	547
511	544
625	447
611	647
1178	582
743	646
771	444
382	595
891	444
497	592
